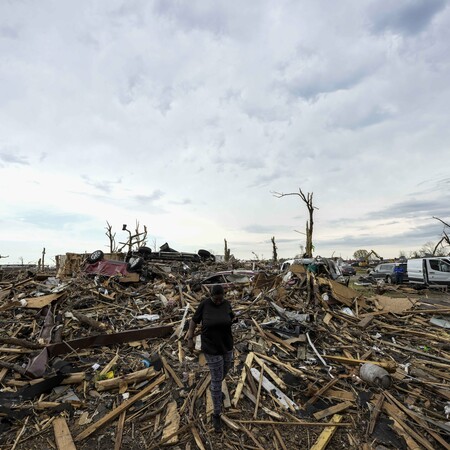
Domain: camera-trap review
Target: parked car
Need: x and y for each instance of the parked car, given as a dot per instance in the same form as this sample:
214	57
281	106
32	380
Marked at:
386	272
347	270
429	271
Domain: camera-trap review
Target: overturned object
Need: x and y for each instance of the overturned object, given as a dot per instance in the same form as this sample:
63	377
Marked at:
375	375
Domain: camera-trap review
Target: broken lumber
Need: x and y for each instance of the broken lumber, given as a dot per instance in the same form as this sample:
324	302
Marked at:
172	424
63	437
332	410
134	377
326	435
117	411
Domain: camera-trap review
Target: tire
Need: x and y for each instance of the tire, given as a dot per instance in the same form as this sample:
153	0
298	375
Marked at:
389	279
145	252
205	255
95	257
135	264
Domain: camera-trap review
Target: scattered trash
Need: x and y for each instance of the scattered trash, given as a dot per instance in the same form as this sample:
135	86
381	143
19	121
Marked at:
443	323
375	375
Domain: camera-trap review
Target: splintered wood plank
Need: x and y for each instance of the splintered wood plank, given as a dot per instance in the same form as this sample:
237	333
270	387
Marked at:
326	435
277	380
204	385
209	404
340	395
332	410
240	386
109	366
226	401
117	411
327	319
180	352
172	423
197	438
172	373
119	433
3	373
365	322
40	302
229	423
63	437
277	395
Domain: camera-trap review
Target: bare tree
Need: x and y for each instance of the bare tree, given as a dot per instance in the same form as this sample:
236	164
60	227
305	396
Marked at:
308	200
227	251
430	249
142	235
274	250
43	259
111	237
139	239
445	240
360	254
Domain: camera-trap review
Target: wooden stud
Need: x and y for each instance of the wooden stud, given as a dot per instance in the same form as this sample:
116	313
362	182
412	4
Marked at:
326	435
63	437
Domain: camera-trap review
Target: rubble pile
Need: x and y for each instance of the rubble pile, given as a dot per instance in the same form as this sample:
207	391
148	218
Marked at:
92	362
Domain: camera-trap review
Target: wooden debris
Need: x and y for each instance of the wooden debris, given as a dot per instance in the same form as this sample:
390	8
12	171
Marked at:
134	377
63	437
332	410
327	434
172	424
240	386
117	411
87	331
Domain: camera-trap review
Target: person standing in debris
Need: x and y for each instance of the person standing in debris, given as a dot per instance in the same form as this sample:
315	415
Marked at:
216	316
398	270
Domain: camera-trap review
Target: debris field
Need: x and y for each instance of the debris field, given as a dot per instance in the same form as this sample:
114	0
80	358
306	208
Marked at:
93	362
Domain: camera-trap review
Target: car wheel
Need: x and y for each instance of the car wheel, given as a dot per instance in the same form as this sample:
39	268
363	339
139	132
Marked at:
389	279
135	264
145	252
95	257
205	255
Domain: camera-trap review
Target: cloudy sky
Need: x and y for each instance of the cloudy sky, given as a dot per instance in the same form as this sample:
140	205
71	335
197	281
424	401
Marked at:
186	115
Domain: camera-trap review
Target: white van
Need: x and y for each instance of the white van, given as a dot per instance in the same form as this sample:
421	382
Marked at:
429	271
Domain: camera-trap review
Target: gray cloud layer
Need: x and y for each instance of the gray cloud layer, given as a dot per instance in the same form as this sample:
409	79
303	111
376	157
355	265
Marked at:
186	115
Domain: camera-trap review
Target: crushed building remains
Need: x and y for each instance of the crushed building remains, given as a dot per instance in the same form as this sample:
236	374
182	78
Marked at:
92	360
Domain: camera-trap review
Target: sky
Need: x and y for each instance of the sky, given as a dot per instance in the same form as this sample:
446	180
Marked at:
187	115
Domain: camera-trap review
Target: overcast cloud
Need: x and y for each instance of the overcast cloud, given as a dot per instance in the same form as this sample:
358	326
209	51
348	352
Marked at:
187	115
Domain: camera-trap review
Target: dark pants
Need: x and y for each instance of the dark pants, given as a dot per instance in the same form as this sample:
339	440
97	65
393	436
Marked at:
219	365
399	278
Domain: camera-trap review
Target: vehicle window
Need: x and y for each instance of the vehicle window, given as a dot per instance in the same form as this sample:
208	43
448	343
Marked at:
232	278
434	264
216	279
444	266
